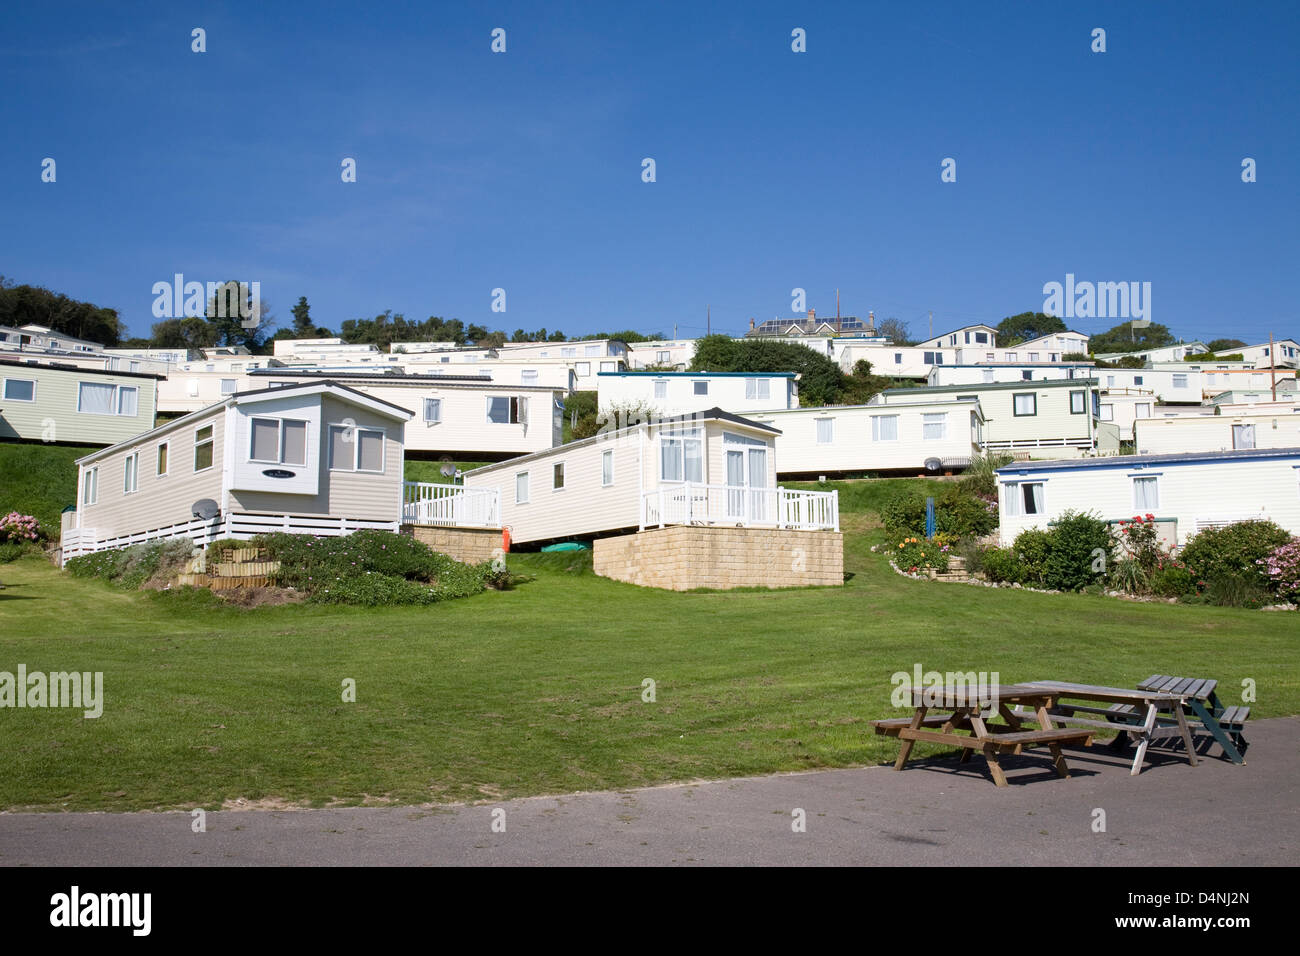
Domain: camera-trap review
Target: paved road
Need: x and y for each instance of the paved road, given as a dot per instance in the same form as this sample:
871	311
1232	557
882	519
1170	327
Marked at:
935	812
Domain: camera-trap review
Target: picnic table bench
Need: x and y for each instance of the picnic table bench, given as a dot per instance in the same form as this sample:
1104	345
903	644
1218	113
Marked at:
1224	724
966	706
1135	713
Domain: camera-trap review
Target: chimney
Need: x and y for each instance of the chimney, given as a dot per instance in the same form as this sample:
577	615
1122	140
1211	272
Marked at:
871	321
751	323
812	314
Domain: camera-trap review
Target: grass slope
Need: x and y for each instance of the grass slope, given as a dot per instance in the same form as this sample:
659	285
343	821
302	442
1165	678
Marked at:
39	480
538	690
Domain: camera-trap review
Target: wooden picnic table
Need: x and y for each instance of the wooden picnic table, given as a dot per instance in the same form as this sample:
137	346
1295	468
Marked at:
964	726
1134	713
1225	724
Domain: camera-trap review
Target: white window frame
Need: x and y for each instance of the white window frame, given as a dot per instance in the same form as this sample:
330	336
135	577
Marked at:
829	438
90	486
159	455
583	369
526	486
131	473
661	388
695	387
758	389
681	438
234	386
4	392
1014	499
1155	484
513	412
875	427
558	471
942	423
607	468
211	440
437	418
357	432
116	402
280	434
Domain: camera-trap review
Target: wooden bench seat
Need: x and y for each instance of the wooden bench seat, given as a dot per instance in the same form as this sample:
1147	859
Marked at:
895	724
1021	738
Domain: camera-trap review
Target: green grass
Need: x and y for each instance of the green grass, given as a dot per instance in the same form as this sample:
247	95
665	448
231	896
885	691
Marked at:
39	480
432	470
538	690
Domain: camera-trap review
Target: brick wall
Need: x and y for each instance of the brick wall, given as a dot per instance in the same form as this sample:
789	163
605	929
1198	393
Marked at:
467	545
679	558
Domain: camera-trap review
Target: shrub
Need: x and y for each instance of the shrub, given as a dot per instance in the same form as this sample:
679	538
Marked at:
13	550
1072	559
1234	590
348	569
957	513
1001	565
16	527
1220	553
1172	581
917	554
135	566
1129	576
980	479
1032	547
1282	566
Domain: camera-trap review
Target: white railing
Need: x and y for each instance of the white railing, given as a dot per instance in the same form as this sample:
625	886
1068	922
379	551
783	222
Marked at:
735	505
451	505
1009	443
202	531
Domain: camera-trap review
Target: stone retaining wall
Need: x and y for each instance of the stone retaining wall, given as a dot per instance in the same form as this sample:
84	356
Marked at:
681	557
467	545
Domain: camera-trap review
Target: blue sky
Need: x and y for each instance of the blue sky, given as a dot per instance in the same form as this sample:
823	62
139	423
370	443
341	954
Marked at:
775	169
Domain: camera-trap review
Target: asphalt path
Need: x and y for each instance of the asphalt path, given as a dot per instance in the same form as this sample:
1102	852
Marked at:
935	812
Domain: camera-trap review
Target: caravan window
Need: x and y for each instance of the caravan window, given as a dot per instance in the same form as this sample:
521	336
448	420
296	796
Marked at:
1025	498
681	456
503	410
203	448
279	441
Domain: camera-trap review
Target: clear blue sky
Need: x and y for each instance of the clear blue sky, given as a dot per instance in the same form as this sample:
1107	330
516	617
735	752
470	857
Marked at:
775	169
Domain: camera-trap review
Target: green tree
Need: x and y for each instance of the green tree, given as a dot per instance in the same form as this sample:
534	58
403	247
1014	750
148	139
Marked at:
896	330
33	305
1225	345
1125	338
302	324
1015	329
821	380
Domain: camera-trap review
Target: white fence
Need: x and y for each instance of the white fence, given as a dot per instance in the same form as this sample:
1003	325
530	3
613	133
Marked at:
690	503
75	541
451	506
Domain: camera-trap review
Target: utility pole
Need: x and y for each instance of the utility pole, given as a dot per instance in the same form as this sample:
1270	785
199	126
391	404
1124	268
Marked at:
932	323
708	320
1272	366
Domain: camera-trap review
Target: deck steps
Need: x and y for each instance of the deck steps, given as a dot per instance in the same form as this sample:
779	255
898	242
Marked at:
238	568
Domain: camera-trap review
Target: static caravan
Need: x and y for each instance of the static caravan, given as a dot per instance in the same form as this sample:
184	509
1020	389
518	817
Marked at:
894	361
82	406
680	393
921	436
1283	353
1166	353
988	373
1052	347
675	354
968	336
1187	491
710	467
1158	436
466	417
1034	419
318	458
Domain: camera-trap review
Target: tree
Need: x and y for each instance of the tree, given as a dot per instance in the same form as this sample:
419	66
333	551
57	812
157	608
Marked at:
1225	345
238	317
821	380
1015	329
33	305
302	324
1125	338
896	330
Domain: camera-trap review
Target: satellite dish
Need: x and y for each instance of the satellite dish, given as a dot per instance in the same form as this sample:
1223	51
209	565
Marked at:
933	464
206	509
448	470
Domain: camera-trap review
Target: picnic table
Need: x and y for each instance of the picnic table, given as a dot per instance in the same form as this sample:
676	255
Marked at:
964	725
1224	724
1135	712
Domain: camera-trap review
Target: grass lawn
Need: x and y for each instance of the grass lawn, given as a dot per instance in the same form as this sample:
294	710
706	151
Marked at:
538	690
39	480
